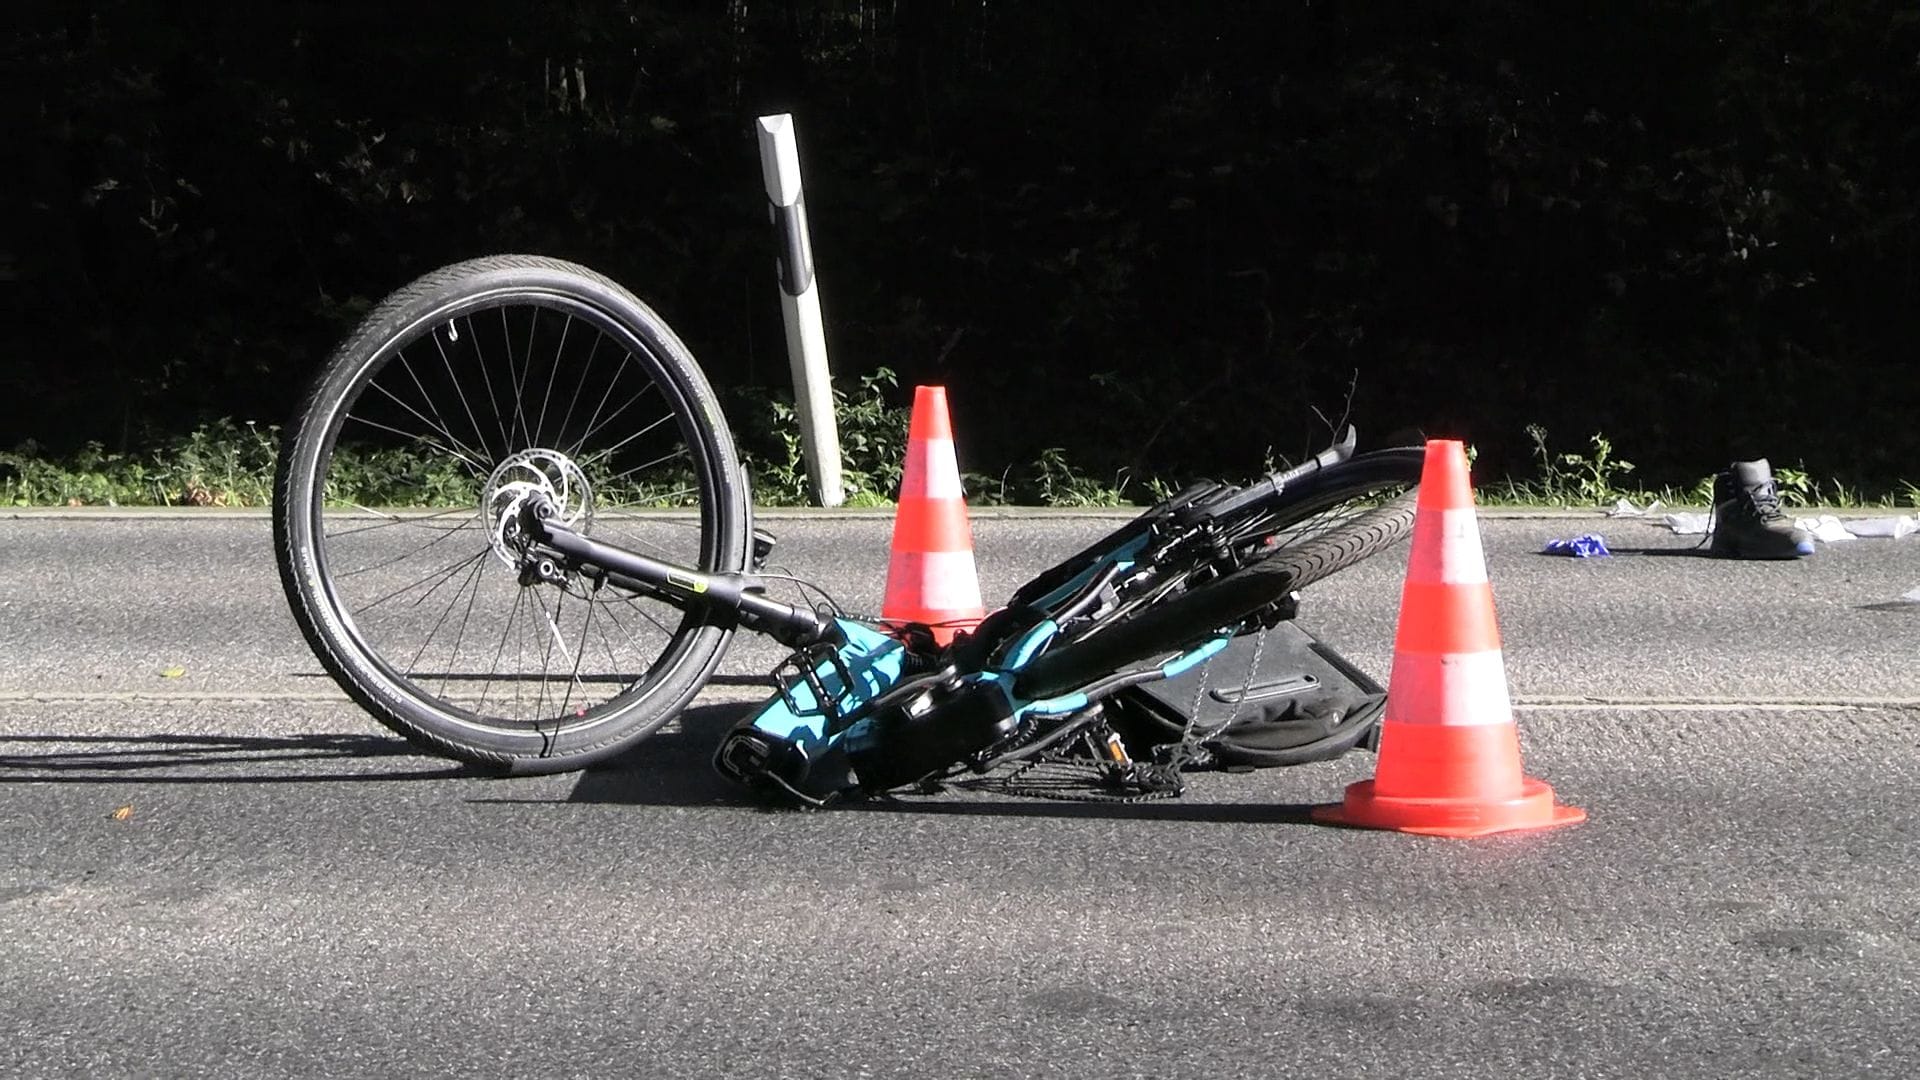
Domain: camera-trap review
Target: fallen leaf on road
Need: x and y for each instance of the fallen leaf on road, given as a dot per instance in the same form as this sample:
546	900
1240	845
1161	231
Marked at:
123	813
173	673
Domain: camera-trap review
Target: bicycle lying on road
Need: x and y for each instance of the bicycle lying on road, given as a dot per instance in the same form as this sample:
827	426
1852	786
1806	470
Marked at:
599	553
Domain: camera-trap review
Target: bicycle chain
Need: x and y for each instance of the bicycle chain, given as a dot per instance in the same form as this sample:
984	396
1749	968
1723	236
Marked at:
1145	795
1191	746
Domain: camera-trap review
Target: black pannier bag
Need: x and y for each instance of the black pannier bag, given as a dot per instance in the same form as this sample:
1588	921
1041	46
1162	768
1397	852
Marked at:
1270	698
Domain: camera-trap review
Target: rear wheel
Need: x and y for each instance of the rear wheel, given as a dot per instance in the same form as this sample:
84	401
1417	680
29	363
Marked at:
471	390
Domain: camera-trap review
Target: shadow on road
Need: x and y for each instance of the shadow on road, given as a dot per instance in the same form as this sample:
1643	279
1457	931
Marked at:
205	759
672	768
668	768
1158	810
675	768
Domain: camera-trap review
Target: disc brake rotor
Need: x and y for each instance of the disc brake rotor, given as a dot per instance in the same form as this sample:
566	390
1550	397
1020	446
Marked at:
519	478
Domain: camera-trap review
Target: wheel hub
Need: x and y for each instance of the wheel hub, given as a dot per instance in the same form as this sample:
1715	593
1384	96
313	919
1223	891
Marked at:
519	478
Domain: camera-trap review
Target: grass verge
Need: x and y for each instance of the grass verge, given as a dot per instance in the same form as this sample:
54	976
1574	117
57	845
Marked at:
230	464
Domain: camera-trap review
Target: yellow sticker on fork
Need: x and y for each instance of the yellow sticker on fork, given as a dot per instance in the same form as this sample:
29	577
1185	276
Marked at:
687	582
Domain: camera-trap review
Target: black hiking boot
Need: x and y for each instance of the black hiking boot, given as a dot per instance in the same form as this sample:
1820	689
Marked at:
1747	520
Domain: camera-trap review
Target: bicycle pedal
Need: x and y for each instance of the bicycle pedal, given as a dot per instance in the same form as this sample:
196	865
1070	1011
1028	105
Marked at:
802	668
763	542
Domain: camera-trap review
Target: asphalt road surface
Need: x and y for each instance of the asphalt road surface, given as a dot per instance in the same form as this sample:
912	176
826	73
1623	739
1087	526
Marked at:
289	890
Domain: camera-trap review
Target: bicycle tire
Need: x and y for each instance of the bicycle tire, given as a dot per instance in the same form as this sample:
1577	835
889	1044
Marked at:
1186	617
420	360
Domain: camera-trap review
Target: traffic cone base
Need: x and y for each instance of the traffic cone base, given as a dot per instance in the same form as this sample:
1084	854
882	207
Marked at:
1463	819
1459	780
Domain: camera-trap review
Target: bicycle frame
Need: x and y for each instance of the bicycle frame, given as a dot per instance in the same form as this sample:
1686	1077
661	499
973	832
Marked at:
849	712
730	599
841	669
852	701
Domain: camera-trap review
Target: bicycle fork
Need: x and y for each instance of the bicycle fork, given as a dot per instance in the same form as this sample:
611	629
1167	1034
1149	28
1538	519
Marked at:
729	599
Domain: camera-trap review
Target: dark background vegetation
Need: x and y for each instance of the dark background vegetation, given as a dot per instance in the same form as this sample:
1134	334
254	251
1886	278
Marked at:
1168	238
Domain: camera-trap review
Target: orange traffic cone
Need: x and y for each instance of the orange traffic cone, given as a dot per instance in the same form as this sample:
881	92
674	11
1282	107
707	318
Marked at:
1449	761
931	577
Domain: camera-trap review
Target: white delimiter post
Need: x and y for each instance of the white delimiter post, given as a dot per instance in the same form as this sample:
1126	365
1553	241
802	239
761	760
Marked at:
800	302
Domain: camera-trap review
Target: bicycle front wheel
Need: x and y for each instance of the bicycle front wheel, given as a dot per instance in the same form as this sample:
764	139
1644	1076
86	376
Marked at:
467	391
1316	527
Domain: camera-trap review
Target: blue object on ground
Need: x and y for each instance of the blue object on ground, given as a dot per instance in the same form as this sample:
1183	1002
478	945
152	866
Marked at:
1590	546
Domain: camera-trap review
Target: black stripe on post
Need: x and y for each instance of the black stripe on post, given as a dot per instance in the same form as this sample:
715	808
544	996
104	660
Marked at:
796	248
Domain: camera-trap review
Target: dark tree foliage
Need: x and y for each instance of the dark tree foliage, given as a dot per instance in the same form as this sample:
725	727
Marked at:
1168	237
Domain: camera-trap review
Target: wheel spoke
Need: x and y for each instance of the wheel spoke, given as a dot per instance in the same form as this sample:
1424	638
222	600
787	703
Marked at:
501	650
520	378
586	369
454	601
579	654
486	376
594	428
473	467
445	534
438	423
613	662
540	427
442	574
669	553
418	522
453	658
663	497
636	609
599	456
460	391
